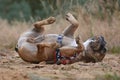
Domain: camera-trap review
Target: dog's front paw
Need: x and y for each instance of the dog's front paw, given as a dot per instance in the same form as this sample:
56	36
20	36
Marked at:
69	17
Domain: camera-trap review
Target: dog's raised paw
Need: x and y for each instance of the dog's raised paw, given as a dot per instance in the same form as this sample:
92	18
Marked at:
69	17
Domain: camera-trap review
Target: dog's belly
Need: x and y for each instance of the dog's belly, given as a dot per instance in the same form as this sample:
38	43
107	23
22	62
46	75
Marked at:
73	43
65	42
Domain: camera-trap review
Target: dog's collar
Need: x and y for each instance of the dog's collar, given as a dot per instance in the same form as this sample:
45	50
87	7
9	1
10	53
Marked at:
59	39
57	53
59	59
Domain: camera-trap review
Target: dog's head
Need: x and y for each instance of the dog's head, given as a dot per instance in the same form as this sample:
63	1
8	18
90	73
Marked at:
96	49
98	44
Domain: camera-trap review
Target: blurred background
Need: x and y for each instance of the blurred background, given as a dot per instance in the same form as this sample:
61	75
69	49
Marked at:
96	17
25	10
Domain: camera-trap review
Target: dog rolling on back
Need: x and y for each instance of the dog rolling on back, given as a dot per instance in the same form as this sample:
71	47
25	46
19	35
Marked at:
35	46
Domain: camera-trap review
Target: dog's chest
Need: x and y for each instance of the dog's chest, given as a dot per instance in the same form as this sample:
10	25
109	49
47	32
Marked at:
66	41
73	43
69	42
86	43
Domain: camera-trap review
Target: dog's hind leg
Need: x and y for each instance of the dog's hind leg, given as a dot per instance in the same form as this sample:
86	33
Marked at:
42	52
36	34
39	24
69	31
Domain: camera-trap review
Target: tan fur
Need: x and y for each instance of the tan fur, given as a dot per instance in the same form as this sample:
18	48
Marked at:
35	46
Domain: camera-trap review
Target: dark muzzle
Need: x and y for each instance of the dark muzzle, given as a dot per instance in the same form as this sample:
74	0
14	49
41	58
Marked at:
102	48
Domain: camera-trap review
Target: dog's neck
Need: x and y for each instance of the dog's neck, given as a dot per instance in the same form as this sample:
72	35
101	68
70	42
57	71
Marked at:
86	43
74	43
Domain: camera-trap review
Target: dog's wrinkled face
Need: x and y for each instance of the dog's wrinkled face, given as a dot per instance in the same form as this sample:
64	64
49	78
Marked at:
98	44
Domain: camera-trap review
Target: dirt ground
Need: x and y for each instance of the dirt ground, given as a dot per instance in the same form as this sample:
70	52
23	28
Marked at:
12	67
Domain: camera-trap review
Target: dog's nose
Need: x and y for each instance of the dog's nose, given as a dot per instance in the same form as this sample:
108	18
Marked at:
103	42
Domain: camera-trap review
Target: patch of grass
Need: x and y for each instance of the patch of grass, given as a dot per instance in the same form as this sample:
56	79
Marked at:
108	77
115	50
9	33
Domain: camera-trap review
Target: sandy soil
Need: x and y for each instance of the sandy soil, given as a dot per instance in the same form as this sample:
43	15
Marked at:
12	67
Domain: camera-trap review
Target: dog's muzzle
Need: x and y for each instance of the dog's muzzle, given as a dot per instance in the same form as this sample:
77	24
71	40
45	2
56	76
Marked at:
102	45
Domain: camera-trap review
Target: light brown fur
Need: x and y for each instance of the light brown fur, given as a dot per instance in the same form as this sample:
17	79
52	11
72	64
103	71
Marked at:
34	46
